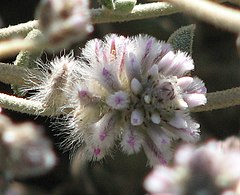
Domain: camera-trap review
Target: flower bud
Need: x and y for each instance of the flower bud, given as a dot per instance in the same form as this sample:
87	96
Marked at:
24	151
64	21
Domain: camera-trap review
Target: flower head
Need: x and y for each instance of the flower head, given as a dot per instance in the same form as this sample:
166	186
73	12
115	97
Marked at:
210	169
138	90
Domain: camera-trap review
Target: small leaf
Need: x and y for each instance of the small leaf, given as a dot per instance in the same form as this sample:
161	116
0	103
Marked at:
108	4
182	39
124	6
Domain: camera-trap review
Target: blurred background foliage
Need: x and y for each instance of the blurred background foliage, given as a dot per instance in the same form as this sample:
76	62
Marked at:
216	63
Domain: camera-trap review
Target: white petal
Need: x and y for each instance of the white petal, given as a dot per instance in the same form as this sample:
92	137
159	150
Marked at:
184	82
133	66
137	117
155	118
102	133
178	122
195	99
182	104
136	86
147	99
153	70
166	61
118	100
131	140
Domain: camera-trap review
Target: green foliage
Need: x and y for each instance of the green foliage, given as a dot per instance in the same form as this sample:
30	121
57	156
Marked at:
124	6
108	4
182	39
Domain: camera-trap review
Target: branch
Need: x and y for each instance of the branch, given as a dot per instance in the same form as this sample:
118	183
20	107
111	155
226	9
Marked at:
23	105
8	48
18	30
11	74
208	11
213	13
14	46
101	15
142	11
220	99
26	106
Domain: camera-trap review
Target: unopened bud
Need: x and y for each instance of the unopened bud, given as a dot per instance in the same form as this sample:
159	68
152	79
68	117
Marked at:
64	22
24	151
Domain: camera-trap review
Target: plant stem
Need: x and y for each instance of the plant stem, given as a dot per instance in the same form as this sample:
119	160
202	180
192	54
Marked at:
22	105
101	15
14	46
213	13
220	99
142	11
18	30
26	106
11	74
207	11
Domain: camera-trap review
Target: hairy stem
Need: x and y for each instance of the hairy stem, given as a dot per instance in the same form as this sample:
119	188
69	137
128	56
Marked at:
139	12
220	99
213	13
11	74
26	106
102	15
22	105
205	10
20	30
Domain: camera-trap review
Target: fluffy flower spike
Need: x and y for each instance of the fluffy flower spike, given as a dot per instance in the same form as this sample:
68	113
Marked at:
54	83
139	91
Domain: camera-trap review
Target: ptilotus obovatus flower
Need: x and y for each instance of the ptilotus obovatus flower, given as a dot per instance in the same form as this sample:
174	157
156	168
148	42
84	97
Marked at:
212	168
136	90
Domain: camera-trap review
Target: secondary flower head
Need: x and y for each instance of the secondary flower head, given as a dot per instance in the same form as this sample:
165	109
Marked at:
210	169
136	90
64	21
24	150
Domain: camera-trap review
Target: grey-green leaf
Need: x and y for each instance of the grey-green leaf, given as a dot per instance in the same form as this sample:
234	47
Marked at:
108	4
182	39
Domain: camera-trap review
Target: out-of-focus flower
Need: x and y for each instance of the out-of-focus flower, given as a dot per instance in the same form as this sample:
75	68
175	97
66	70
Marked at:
64	21
24	151
210	169
238	44
136	90
17	188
